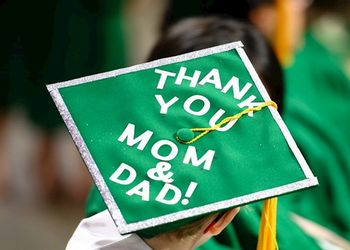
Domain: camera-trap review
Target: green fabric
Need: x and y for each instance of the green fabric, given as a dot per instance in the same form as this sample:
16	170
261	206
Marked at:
110	111
243	232
337	43
24	54
289	235
95	203
317	113
74	38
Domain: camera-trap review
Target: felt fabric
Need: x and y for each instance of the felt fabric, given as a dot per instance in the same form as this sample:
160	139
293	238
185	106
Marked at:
127	121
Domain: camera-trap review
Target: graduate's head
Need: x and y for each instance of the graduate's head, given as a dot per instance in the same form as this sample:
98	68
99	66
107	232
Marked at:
194	233
193	34
274	18
165	141
202	32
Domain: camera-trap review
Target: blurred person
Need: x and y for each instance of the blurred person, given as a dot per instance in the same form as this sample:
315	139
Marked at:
4	100
330	24
91	36
3	156
316	86
45	42
264	14
76	38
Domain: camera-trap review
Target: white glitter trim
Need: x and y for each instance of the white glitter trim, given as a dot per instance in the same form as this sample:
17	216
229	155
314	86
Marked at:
148	65
85	154
285	131
132	227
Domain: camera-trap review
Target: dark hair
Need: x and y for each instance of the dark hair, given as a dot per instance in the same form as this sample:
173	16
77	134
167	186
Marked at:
238	9
202	32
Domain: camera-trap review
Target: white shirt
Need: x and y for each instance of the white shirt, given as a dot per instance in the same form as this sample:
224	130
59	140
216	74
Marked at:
100	232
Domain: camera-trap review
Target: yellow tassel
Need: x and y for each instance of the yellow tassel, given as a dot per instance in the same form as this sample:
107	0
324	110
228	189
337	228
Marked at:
237	116
283	36
267	232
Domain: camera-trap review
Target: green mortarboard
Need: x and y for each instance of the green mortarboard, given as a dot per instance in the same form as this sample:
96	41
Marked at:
162	144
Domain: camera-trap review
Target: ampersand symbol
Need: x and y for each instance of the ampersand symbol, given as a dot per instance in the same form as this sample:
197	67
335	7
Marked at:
159	172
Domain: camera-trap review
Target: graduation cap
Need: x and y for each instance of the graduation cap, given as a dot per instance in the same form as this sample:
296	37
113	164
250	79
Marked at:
177	138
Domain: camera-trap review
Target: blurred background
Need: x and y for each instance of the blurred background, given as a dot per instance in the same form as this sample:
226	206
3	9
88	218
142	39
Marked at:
44	183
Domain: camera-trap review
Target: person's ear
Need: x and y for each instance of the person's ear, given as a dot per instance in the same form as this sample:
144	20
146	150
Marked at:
221	221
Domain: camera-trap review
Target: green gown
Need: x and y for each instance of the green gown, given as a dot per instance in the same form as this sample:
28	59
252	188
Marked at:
53	41
317	112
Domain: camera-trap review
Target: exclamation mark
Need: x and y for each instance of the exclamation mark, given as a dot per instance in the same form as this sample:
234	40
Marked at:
189	192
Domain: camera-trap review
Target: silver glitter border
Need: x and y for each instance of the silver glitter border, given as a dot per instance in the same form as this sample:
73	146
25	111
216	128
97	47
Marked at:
122	226
148	65
87	157
132	227
277	117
